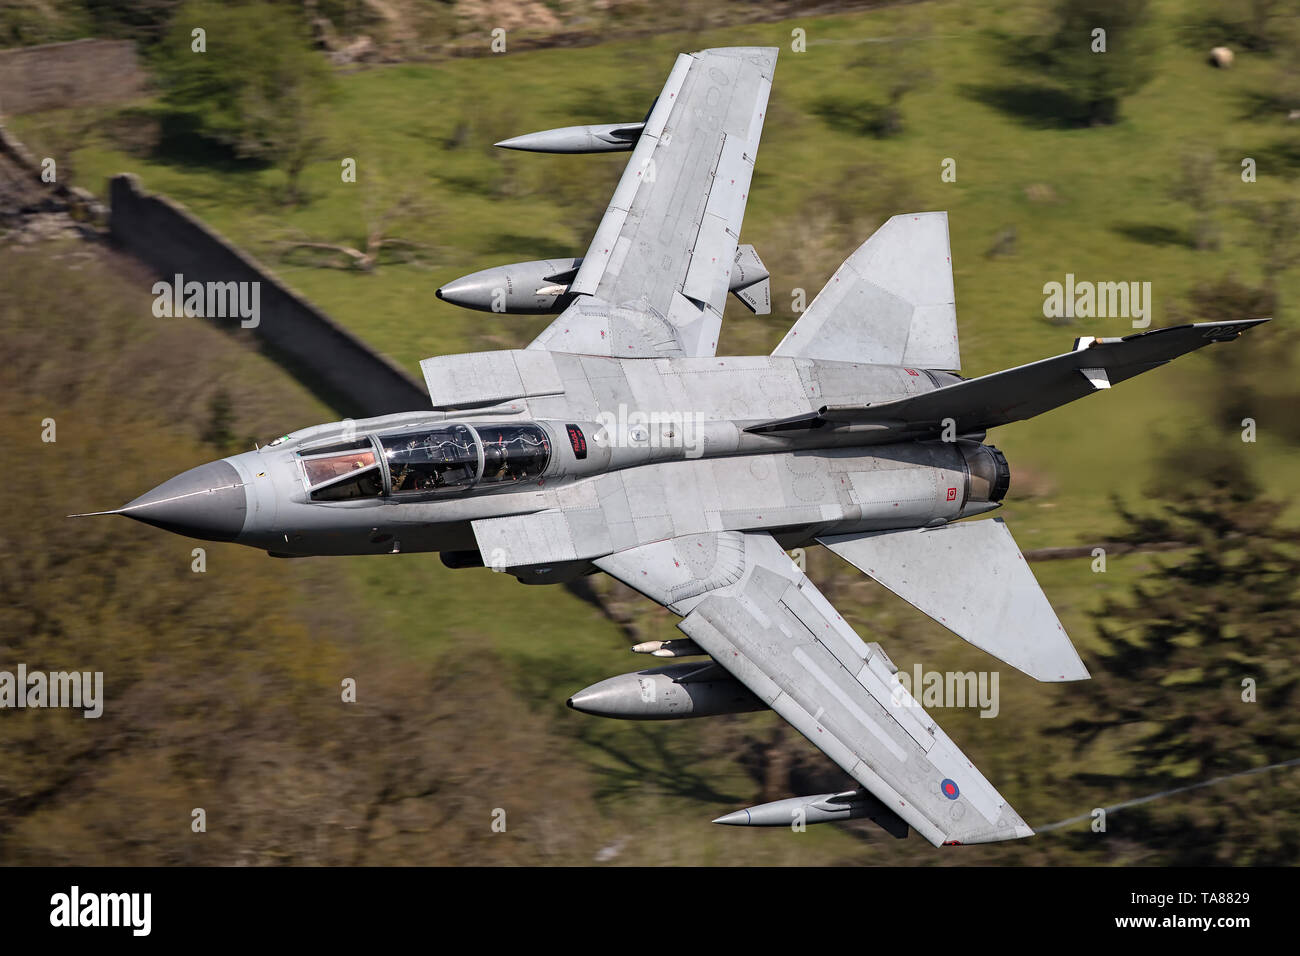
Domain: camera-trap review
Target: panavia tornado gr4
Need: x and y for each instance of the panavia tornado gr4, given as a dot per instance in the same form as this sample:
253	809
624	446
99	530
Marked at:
618	441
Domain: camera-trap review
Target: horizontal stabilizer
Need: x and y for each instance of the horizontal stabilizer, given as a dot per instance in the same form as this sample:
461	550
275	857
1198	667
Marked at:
890	303
972	579
1016	394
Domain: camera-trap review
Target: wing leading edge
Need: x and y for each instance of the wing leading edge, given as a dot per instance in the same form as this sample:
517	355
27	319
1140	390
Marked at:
746	604
655	279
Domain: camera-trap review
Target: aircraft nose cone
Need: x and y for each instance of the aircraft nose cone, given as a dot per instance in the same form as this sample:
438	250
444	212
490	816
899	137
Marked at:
207	502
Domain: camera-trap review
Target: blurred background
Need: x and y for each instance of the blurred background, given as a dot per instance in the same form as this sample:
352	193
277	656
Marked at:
1171	158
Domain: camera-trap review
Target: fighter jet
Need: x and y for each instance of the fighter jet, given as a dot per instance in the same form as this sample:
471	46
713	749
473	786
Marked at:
619	442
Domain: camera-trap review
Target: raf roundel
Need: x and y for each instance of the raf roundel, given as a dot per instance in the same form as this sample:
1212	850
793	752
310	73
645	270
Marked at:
949	789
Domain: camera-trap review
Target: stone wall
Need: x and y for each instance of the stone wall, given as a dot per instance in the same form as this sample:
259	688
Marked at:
326	357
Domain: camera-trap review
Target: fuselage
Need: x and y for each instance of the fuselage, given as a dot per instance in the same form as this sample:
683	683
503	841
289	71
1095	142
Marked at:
641	448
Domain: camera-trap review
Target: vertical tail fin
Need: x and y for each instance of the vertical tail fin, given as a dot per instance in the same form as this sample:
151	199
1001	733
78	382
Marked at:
890	303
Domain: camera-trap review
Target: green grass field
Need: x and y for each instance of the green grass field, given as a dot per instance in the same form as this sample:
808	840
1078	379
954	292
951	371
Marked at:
1092	202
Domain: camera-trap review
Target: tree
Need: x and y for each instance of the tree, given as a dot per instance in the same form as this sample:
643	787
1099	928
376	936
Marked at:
389	203
1170	702
1260	26
1255	378
894	68
904	66
1098	52
143	20
258	87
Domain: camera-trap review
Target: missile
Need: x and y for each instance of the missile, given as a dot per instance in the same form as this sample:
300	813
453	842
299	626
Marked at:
683	647
541	286
605	138
822	808
689	689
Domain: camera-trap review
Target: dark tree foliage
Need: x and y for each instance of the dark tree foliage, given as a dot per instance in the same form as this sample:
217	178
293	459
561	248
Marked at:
1256	377
258	86
889	72
143	20
218	430
1211	626
1096	82
1257	26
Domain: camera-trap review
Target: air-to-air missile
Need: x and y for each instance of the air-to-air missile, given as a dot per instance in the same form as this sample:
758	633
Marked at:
605	138
690	689
822	808
541	287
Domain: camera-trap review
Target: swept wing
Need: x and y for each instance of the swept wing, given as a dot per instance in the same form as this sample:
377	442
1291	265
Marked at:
655	278
761	618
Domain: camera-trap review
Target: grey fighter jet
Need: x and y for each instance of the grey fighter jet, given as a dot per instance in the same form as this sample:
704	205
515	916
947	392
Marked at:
618	441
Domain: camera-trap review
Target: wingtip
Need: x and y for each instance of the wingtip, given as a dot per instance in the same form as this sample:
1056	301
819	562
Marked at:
1018	831
1230	329
1068	673
1242	324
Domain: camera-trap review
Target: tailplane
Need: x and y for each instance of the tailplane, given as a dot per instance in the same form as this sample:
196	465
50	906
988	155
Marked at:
972	579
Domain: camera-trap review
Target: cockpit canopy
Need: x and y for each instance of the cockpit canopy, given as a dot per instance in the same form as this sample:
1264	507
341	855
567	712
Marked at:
426	461
432	460
513	452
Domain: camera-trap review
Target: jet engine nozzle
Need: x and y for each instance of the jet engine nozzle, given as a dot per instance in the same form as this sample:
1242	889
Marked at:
988	474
